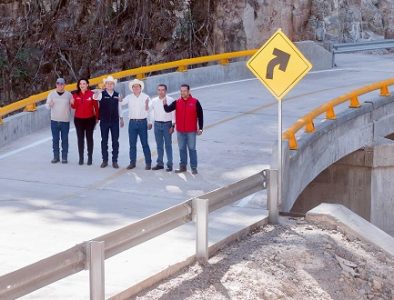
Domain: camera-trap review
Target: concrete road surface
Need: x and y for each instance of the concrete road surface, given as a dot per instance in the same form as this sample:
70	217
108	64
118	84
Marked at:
48	208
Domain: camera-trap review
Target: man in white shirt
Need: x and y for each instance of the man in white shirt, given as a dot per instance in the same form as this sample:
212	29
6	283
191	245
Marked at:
58	102
164	124
139	122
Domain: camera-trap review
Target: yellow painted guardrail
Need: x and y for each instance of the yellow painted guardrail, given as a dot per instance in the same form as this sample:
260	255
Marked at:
328	109
29	103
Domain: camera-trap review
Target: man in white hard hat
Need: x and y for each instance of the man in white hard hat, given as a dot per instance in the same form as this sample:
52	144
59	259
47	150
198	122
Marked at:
139	122
110	119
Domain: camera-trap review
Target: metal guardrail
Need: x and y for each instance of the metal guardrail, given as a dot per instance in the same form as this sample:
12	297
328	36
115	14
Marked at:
30	103
90	255
360	46
328	109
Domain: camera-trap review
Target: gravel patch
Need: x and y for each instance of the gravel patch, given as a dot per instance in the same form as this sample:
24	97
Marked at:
297	260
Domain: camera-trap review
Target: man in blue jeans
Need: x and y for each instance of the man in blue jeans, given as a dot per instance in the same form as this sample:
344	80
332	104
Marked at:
139	122
164	124
58	102
110	117
188	112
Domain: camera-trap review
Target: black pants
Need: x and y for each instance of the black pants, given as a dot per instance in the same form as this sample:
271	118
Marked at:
85	127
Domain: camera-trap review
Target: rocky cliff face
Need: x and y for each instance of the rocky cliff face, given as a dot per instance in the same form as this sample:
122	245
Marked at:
247	24
42	39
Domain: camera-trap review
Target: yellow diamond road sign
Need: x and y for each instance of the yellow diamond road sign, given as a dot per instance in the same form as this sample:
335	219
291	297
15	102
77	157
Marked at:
279	65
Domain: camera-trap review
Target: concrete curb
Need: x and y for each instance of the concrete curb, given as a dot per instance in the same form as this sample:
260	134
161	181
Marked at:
351	224
173	269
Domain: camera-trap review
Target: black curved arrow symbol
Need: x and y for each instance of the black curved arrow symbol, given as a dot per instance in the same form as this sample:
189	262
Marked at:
281	58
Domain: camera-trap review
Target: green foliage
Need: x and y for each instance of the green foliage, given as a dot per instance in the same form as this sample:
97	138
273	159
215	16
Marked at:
21	65
23	55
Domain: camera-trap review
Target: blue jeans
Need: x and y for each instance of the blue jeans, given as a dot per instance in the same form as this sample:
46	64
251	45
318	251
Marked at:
187	140
163	136
105	128
139	128
60	130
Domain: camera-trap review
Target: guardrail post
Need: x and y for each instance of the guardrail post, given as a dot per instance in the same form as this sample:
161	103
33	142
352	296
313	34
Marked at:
31	107
96	270
201	210
354	103
384	91
182	69
272	196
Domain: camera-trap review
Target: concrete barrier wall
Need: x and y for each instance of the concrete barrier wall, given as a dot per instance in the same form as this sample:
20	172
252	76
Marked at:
22	124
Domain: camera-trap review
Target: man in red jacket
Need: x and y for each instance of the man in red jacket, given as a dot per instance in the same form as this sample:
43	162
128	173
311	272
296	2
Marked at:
188	112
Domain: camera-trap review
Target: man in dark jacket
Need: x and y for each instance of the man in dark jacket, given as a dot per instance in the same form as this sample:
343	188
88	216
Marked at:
188	112
111	116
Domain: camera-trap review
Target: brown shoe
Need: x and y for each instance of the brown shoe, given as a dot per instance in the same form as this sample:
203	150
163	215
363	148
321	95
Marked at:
157	167
130	166
115	165
181	169
104	164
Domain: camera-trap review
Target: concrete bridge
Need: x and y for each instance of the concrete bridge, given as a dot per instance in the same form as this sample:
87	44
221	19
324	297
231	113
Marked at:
348	161
46	208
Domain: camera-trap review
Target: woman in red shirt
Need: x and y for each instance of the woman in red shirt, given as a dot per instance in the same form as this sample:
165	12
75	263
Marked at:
86	117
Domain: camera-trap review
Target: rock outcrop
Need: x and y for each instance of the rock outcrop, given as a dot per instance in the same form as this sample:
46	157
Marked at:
42	39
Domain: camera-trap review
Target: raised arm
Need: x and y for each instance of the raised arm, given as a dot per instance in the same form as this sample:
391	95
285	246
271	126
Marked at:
169	108
200	116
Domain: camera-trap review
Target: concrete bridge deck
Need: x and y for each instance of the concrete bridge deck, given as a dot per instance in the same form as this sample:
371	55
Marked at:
47	208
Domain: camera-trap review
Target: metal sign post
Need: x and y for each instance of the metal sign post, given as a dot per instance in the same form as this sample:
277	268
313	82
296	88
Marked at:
280	66
279	194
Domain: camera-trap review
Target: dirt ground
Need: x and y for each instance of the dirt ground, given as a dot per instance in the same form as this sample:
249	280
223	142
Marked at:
297	260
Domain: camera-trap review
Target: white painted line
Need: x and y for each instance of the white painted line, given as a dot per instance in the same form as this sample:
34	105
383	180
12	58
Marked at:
16	151
216	84
249	79
7	154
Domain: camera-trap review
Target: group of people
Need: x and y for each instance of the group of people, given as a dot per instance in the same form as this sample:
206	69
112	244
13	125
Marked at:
163	113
